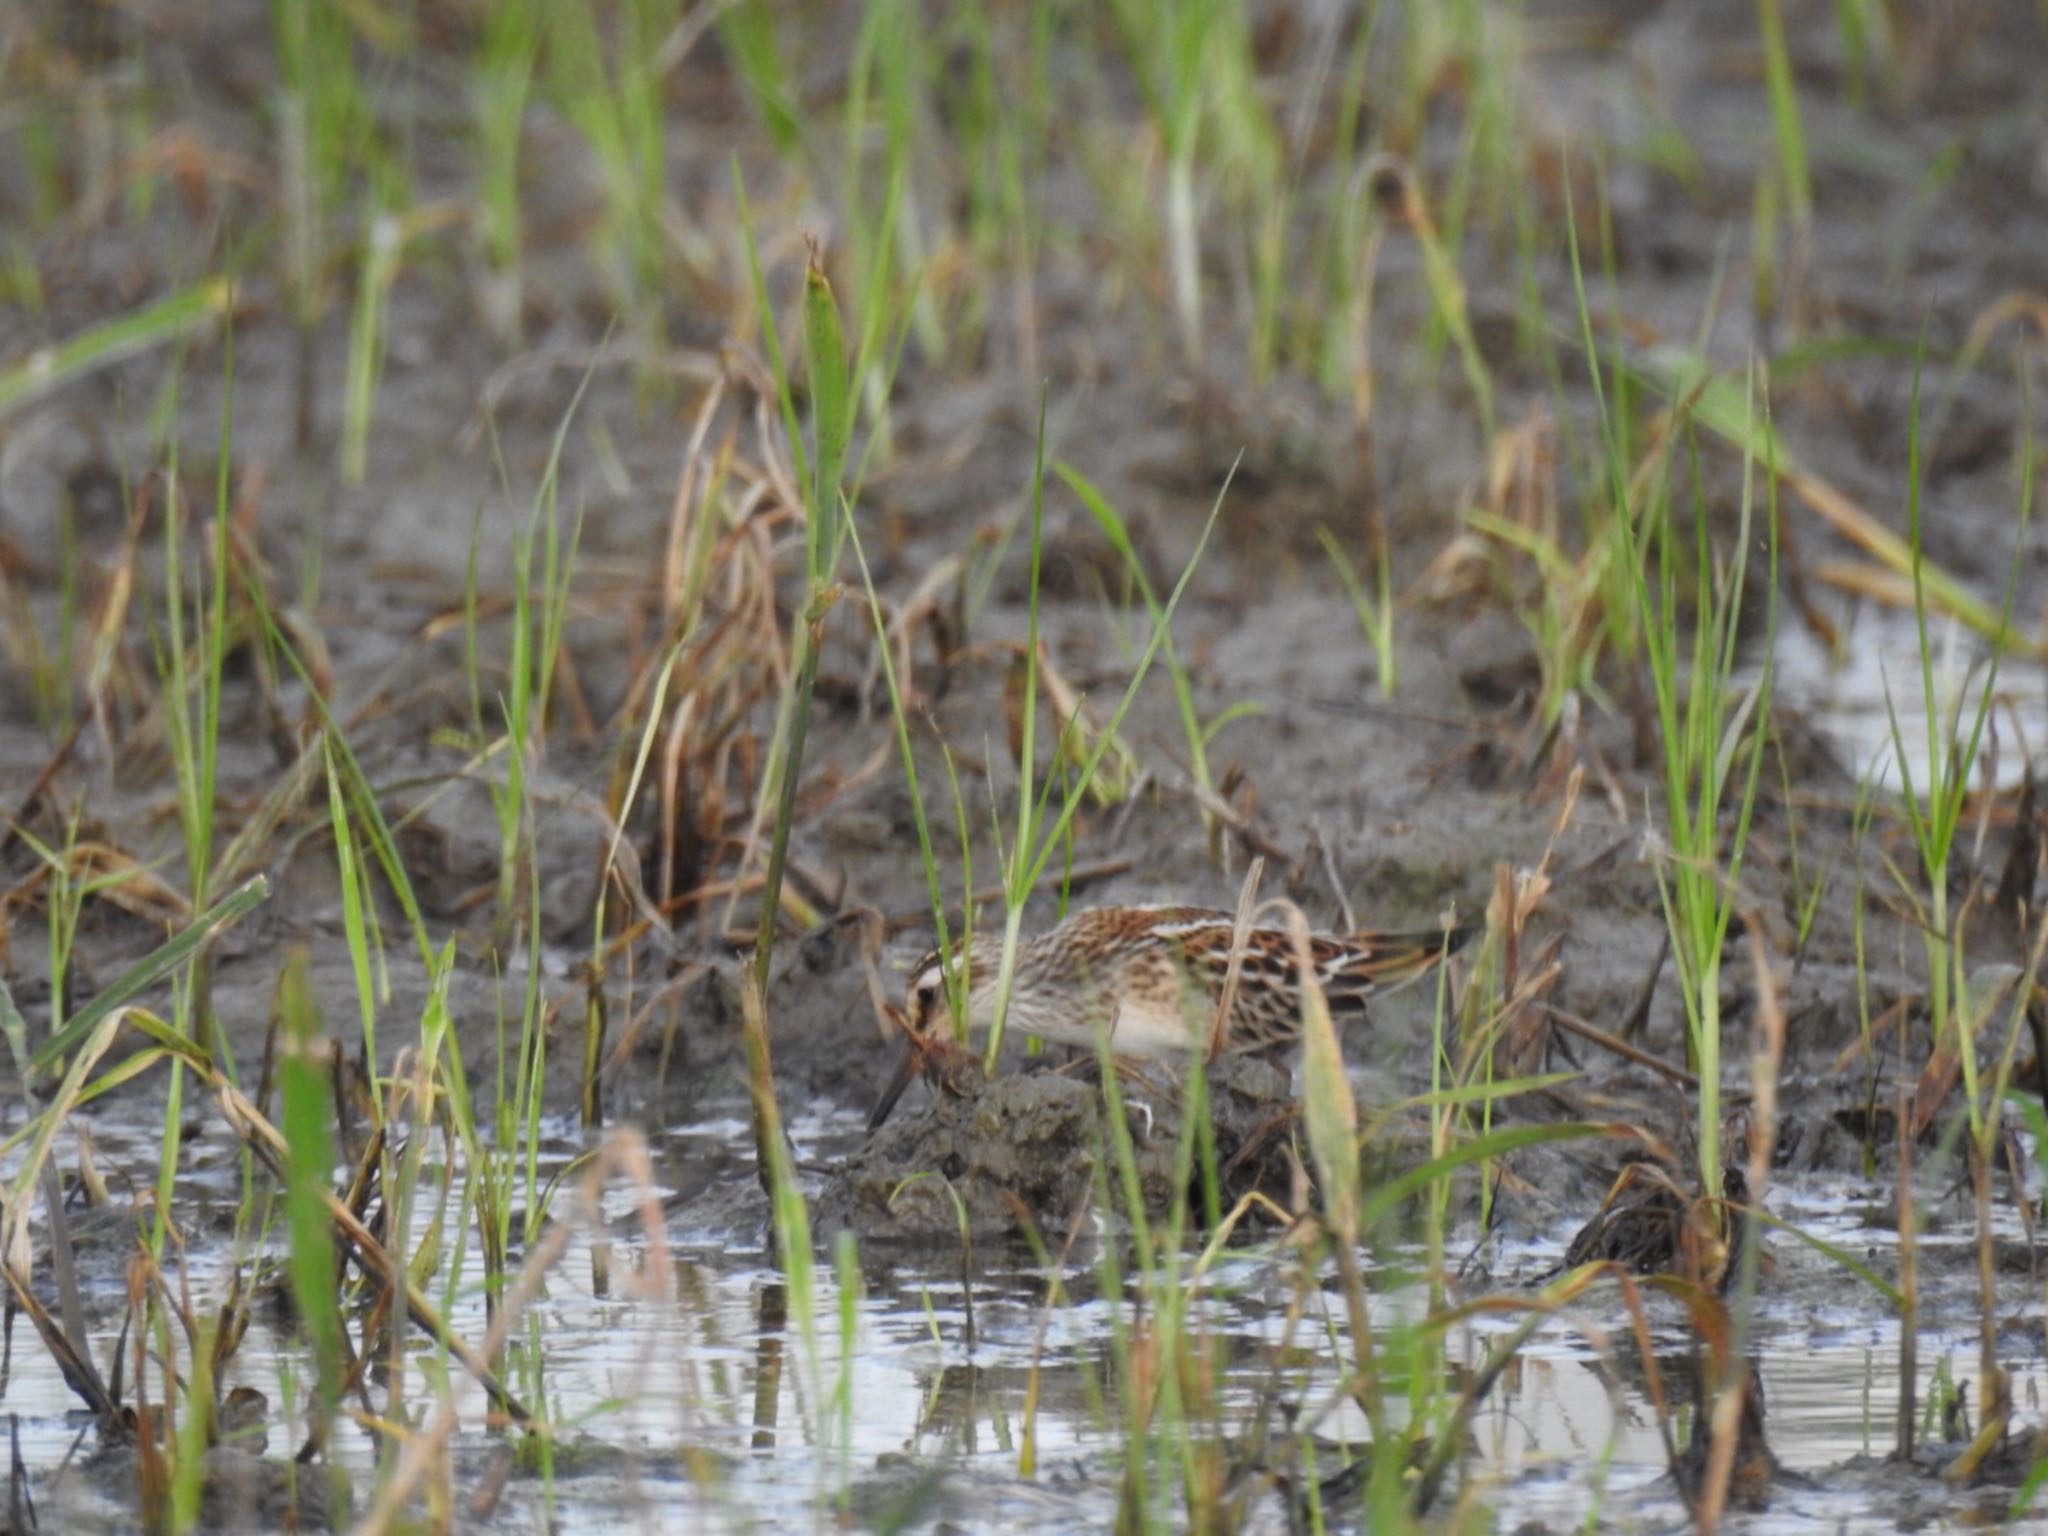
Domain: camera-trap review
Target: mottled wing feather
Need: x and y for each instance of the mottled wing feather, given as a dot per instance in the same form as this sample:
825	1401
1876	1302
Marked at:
1267	1008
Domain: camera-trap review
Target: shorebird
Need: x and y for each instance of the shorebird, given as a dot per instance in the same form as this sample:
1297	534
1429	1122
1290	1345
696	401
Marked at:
1152	978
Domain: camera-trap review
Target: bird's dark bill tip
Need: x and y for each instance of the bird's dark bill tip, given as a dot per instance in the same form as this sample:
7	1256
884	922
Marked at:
906	1073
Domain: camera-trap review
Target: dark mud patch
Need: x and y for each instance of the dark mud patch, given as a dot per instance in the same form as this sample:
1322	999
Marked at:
1027	1151
243	1492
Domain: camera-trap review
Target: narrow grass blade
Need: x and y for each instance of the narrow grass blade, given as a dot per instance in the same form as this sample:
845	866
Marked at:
48	368
154	967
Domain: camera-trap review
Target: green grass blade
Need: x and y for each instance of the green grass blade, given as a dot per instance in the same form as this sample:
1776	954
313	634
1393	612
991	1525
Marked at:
154	967
111	341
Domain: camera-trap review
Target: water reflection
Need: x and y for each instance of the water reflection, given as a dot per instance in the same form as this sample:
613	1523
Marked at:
1853	697
773	1321
716	1382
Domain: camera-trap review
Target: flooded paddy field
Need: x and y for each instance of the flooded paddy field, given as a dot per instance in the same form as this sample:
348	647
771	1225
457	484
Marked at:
558	558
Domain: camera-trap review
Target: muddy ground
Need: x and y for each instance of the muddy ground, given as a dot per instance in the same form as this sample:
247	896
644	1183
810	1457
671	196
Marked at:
1931	206
1416	799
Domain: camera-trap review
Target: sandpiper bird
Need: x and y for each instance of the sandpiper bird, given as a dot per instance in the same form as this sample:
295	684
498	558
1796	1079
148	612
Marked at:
1152	977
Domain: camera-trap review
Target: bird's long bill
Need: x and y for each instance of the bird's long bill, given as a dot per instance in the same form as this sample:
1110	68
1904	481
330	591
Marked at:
906	1073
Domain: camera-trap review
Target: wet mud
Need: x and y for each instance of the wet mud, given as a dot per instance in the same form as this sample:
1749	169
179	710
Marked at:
1393	810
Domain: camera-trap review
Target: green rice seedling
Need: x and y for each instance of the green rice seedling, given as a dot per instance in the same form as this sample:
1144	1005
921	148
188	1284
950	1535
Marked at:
382	249
1490	173
617	105
1400	195
1375	609
1866	29
847	1275
325	127
1860	815
1704	721
1198	735
901	720
192	685
539	612
1566	604
1330	1118
1162	1374
889	79
1037	835
1347	244
150	971
1002	114
1808	885
75	1352
69	884
1934	809
748	31
1248	169
1174	52
183	313
1909	1259
1957	1018
501	84
829	495
359	918
2027	1105
1403	1359
1763	250
308	1119
357	790
1794	173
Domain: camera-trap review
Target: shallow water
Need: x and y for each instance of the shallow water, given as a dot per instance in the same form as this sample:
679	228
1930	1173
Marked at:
713	1402
1869	699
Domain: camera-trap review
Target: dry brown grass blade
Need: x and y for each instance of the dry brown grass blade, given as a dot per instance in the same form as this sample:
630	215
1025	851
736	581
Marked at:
691	503
52	766
1521	475
1331	1116
1892	581
936	603
38	1172
1518	1022
1075	729
1233	969
1678	1077
151	1425
370	1255
103	673
78	1371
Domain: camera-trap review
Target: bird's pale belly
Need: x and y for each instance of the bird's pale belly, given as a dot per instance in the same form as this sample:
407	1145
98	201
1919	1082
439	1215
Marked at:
1143	1027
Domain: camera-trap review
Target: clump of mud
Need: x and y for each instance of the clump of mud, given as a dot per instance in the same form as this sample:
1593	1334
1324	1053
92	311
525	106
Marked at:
1029	1150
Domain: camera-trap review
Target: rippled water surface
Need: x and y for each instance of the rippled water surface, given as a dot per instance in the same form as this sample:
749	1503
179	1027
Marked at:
718	1401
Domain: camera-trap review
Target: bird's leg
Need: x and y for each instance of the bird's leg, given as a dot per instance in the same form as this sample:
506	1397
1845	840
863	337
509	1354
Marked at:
1135	1072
